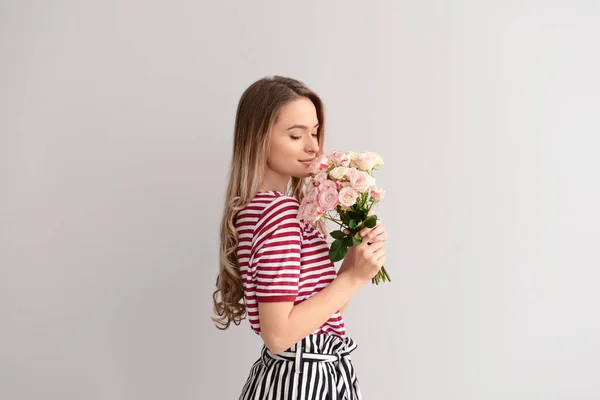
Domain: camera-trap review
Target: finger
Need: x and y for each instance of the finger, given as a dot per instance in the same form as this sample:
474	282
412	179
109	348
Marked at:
377	256
365	243
379	237
366	230
373	247
379	251
374	232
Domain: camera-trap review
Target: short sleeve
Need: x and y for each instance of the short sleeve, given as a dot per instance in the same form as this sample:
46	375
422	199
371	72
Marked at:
276	251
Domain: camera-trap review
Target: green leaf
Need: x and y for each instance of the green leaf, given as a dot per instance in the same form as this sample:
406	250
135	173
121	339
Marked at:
371	221
352	224
337	251
348	241
338	234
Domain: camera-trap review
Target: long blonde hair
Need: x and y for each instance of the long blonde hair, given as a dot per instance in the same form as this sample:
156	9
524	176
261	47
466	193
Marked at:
257	112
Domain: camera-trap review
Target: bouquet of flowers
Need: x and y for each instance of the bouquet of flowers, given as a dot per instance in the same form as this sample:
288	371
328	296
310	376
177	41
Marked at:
343	182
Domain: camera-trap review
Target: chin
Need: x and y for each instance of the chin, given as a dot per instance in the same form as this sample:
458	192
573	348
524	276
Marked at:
305	174
301	176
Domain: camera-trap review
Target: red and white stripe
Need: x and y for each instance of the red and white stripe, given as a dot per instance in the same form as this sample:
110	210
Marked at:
282	258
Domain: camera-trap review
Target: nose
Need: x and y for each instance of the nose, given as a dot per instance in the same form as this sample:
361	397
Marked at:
313	145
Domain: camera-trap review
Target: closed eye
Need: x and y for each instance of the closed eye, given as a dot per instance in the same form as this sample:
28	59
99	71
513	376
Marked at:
300	137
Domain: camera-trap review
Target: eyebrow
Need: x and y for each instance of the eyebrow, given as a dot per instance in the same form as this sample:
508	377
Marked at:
299	126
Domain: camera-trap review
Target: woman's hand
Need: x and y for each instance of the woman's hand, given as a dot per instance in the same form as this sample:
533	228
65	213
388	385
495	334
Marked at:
375	234
366	259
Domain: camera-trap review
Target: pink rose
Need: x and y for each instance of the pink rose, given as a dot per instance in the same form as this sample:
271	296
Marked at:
327	184
324	164
349	173
360	181
340	159
320	178
312	212
348	196
311	194
377	193
340	184
328	199
301	210
319	164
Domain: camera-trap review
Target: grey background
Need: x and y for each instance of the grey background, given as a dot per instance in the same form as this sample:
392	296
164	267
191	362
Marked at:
116	123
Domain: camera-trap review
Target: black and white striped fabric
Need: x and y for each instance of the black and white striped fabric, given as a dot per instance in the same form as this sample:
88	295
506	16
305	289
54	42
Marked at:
319	367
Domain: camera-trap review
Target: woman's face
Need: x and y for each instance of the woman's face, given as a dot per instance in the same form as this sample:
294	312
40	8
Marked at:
294	143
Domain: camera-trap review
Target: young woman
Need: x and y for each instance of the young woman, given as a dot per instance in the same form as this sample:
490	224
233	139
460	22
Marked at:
274	268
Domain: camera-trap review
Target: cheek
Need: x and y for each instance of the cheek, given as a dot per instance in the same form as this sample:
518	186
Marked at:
279	159
283	155
285	152
274	154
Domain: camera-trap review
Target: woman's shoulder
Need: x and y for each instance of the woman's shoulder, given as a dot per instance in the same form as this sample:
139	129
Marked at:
273	200
279	206
275	195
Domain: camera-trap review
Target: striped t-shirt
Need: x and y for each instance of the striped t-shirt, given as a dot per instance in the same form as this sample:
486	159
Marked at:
282	258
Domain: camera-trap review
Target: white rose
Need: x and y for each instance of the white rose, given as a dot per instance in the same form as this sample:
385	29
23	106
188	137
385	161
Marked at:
366	161
337	173
378	160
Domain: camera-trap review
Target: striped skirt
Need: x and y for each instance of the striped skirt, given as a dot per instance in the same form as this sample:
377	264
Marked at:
319	367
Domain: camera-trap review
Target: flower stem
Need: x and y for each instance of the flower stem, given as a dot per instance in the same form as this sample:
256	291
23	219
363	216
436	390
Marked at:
332	219
381	275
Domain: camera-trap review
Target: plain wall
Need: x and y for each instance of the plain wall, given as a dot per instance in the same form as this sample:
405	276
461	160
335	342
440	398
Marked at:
116	125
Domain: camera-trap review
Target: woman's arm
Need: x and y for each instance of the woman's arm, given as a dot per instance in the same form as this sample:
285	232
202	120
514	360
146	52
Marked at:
282	324
348	260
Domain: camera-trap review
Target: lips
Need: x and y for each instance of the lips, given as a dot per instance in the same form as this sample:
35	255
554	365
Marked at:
309	160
